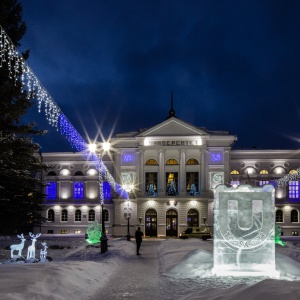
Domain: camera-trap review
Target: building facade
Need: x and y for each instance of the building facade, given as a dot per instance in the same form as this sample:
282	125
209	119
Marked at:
171	171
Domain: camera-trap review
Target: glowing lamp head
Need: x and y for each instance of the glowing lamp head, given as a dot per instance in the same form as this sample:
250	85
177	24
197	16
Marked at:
92	147
106	146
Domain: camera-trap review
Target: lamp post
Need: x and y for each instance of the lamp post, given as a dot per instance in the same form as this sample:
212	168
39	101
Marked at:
103	238
128	189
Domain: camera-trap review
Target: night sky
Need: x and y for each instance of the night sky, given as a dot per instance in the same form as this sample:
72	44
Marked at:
111	66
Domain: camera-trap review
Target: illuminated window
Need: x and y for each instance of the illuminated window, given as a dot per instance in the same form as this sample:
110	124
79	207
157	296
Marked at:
263	182
64	215
106	215
294	191
279	216
50	215
64	231
172	162
51	190
151	162
235	172
293	172
91	215
77	215
77	231
192	218
171	184
263	172
192	179
151	184
78	190
294	216
192	161
106	190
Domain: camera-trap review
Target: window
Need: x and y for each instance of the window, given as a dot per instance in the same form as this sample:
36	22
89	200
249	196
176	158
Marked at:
64	215
50	215
294	216
50	231
263	182
192	161
172	162
151	162
279	216
77	215
77	231
106	190
192	179
106	215
294	191
293	172
171	184
151	184
64	231
192	218
263	172
51	190
78	173
51	173
91	215
78	190
235	172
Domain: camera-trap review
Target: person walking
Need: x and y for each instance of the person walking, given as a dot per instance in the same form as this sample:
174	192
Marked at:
138	238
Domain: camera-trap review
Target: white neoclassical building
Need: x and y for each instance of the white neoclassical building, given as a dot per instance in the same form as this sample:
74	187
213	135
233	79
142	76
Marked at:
173	169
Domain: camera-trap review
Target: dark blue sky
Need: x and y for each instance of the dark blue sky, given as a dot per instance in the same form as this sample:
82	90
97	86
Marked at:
232	65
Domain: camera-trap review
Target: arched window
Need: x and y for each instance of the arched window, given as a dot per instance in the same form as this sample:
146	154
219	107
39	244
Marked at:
172	162
263	172
234	172
106	215
192	218
151	162
51	173
78	173
192	161
78	215
294	216
91	215
279	216
50	215
292	172
64	215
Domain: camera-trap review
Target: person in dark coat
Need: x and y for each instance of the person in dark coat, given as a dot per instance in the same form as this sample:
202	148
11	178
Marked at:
138	238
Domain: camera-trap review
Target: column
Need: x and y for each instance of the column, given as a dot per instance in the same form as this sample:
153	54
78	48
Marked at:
182	173
161	190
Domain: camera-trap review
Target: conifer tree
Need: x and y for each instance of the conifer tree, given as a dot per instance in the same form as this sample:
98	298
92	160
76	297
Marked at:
21	194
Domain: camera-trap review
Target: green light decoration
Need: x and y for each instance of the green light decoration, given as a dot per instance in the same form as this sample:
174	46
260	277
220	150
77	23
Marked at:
94	233
278	235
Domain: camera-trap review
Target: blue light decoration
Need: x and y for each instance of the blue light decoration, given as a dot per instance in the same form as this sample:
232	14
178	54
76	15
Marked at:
128	157
78	190
106	190
19	70
51	190
216	157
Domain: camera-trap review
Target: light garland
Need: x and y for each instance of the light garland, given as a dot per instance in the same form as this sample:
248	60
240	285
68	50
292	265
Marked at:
19	70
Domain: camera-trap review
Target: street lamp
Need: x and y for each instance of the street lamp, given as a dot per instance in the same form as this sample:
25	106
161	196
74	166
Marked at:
103	238
128	189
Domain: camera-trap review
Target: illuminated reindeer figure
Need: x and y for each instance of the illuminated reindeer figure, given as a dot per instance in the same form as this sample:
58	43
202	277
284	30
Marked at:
43	253
31	248
17	247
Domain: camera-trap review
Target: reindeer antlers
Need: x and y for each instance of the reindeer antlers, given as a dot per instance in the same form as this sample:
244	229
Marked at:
34	236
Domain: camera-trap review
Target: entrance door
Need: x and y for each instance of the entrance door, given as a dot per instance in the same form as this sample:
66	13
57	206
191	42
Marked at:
151	222
192	218
171	225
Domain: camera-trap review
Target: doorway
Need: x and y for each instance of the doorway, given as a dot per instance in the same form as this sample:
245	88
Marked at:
151	223
171	223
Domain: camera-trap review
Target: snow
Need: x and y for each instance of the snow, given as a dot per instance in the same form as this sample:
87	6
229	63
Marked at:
167	269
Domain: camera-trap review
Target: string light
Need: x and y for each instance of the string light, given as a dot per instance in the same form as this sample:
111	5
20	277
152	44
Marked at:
19	70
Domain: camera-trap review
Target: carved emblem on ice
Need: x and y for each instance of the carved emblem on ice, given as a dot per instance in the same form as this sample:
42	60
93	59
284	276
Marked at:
244	231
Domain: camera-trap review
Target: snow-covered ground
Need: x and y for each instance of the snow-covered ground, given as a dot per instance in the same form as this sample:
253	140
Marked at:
167	269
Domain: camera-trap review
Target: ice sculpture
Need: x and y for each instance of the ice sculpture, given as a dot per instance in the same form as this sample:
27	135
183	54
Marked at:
31	248
244	234
278	240
94	233
17	247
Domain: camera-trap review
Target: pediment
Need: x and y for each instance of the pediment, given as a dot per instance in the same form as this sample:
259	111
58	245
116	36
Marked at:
172	127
